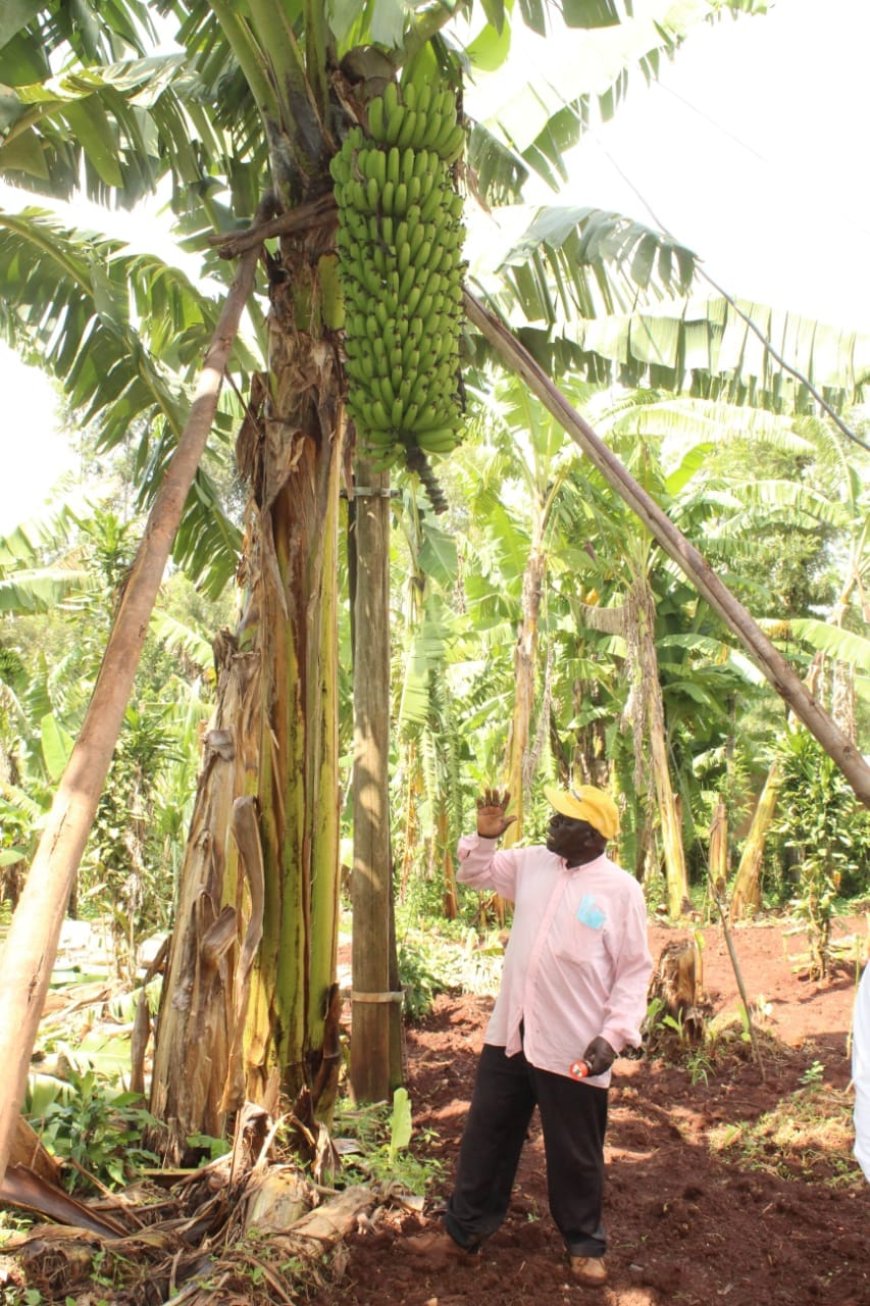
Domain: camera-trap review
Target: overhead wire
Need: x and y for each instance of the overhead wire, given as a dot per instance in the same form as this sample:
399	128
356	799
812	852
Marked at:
753	326
768	162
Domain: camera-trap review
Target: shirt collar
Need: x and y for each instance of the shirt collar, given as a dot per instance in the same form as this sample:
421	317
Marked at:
596	861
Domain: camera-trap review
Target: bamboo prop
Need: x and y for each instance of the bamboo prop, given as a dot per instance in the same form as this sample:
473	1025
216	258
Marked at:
31	944
778	671
738	974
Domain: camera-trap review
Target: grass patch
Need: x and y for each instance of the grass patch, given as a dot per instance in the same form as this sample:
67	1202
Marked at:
437	962
807	1136
375	1144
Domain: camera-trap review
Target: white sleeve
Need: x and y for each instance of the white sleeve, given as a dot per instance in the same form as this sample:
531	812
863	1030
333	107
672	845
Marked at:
861	1072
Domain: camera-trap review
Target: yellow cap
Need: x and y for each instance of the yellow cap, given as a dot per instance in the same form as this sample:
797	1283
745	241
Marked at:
586	803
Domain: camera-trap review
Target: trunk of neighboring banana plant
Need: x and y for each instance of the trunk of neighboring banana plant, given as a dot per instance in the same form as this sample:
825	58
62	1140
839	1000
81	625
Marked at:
525	674
224	1035
525	666
376	1007
640	619
843	699
717	858
746	894
191	1071
412	790
450	896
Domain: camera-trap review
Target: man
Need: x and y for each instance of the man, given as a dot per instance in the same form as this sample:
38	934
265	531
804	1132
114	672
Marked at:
572	996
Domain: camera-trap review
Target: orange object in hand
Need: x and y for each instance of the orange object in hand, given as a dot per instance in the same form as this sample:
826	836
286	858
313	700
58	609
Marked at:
578	1070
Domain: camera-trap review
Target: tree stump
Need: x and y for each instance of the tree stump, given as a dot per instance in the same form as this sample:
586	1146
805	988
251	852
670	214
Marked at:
677	1007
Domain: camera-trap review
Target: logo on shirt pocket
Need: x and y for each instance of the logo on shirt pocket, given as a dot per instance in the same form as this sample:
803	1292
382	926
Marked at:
589	913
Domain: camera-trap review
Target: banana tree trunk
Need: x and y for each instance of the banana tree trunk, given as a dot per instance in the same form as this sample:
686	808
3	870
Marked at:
641	614
294	464
282	752
525	674
717	857
746	894
196	1030
31	944
451	893
778	671
412	791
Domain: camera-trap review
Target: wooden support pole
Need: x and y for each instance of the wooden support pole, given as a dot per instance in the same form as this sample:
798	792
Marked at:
373	997
31	944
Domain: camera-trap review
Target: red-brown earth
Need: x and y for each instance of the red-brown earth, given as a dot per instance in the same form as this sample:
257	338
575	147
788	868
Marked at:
705	1201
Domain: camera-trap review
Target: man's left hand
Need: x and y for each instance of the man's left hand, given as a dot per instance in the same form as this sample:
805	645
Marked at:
599	1056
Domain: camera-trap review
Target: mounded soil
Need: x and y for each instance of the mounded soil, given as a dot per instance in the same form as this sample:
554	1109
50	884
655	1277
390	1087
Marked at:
707	1200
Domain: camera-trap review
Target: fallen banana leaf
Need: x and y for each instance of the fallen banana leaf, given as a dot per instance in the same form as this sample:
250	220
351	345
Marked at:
277	1200
62	1003
335	1218
44	1234
28	1151
22	1186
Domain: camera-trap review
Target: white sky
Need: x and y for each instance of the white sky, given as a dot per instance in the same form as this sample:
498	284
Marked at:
751	150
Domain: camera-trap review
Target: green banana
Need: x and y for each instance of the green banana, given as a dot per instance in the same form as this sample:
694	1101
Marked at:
408	277
399	245
393	126
432	203
441	439
446	131
376	118
407	129
455	145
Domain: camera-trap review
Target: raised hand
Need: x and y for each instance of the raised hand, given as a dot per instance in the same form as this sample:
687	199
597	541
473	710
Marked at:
491	819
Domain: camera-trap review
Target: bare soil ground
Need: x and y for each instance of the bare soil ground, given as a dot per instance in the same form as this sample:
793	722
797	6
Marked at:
732	1189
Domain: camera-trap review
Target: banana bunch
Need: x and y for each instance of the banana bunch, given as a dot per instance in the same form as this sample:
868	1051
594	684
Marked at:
400	243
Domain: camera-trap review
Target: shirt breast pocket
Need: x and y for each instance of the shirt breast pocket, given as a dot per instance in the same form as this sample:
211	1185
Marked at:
583	939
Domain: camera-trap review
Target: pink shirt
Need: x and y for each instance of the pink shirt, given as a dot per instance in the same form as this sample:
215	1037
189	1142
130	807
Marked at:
577	964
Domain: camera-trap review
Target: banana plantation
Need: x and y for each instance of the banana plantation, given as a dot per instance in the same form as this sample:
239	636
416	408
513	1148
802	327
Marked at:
363	526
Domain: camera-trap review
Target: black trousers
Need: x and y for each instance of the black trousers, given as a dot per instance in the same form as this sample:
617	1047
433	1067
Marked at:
573	1119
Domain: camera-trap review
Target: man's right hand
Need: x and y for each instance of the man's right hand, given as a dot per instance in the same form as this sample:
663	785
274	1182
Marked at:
491	819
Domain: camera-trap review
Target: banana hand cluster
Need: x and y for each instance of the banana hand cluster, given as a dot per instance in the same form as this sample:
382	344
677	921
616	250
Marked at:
400	262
